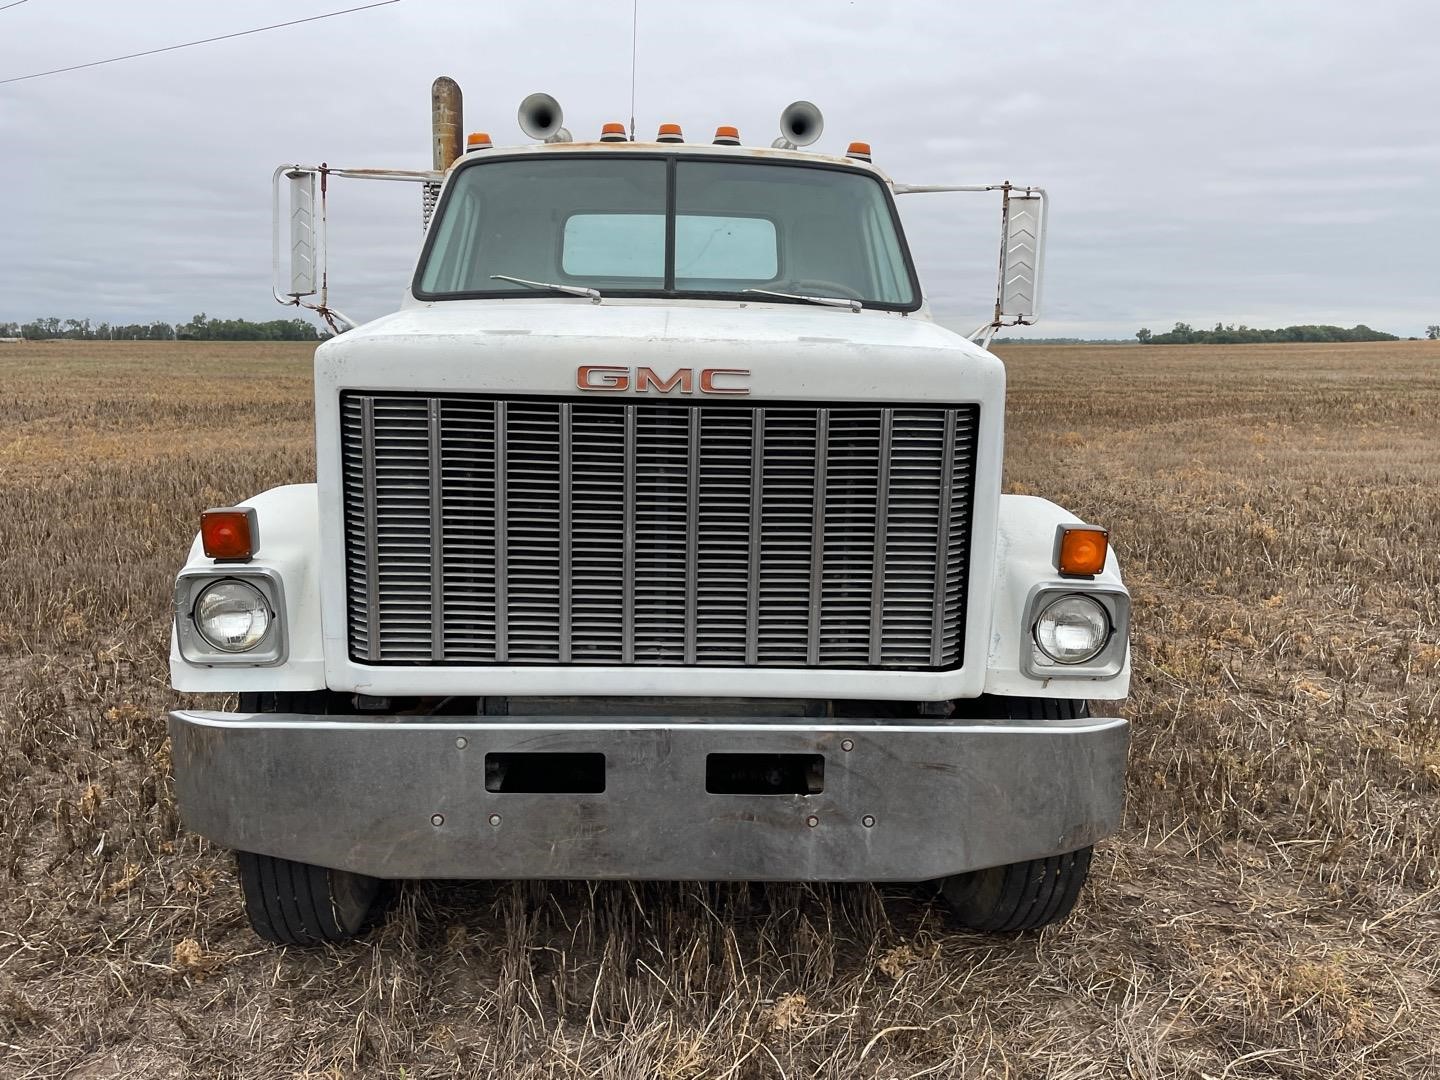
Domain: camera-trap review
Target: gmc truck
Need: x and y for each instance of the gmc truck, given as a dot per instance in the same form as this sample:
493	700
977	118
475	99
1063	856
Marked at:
658	535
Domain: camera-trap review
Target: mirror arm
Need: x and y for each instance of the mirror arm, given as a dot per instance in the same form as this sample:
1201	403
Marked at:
1010	192
319	282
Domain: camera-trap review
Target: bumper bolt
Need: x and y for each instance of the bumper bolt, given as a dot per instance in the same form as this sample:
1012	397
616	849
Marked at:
868	821
461	742
437	820
495	819
847	745
812	821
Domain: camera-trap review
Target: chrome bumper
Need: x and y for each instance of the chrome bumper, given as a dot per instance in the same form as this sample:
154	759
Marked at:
401	799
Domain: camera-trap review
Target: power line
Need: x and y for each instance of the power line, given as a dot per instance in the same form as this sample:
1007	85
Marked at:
17	3
187	44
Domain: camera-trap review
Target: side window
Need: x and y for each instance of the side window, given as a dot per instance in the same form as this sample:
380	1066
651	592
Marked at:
456	241
880	256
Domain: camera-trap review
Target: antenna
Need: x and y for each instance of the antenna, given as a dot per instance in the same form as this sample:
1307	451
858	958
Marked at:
634	29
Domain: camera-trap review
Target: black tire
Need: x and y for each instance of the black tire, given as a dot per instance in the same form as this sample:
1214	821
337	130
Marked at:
1020	896
1023	895
295	903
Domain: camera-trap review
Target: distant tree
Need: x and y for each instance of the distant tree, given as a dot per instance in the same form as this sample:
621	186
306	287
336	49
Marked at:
1432	332
1184	334
1143	335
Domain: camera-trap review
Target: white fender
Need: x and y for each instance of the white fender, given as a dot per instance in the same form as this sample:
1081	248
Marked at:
287	520
1024	554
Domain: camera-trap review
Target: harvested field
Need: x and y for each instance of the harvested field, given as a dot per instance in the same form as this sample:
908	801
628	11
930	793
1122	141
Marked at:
1271	908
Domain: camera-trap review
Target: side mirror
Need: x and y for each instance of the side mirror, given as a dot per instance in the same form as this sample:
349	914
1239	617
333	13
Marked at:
304	249
1021	248
306	232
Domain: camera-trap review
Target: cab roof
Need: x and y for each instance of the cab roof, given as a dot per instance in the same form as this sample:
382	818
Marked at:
717	150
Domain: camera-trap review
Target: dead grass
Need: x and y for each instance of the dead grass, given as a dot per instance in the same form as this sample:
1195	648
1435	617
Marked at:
1272	908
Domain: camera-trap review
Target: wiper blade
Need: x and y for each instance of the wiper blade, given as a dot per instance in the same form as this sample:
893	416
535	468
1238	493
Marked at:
826	301
573	290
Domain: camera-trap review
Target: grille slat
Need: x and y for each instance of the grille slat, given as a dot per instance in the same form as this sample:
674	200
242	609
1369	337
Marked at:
655	533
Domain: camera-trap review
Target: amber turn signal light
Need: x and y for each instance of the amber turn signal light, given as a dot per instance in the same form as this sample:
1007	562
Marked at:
229	534
1080	550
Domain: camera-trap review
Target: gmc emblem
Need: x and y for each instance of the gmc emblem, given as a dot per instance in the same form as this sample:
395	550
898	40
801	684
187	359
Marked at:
612	379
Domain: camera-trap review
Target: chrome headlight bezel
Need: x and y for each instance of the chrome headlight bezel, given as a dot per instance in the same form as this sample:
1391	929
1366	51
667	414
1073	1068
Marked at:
1107	663
194	649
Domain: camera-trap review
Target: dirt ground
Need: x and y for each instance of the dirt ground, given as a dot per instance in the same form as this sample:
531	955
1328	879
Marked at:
1270	909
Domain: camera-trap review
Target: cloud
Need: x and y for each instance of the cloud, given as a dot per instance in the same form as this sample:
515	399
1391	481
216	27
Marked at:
1207	162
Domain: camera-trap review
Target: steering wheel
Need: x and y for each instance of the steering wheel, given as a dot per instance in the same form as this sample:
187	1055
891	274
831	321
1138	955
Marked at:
819	287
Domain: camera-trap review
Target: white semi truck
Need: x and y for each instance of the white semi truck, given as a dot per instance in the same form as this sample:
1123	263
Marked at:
658	535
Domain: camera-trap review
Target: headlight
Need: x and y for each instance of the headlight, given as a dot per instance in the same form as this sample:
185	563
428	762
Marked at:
232	616
1073	629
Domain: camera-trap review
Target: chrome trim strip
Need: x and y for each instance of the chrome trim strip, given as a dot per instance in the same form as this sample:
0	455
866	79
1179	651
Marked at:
817	535
752	579
372	538
502	536
942	542
627	563
692	541
437	537
567	541
883	726
882	516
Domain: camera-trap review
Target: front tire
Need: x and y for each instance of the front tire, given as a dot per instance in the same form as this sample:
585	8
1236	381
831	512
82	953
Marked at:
295	903
1020	896
1024	895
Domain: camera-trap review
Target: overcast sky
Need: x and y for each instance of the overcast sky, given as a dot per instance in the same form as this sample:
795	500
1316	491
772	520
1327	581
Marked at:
1265	163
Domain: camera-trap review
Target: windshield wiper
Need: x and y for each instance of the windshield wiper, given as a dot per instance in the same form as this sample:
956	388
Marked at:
827	301
573	290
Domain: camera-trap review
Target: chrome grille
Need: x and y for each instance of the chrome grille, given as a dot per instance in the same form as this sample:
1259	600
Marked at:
548	531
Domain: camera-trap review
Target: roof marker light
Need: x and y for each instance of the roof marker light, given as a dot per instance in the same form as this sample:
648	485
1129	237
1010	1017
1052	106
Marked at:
726	135
860	151
477	140
670	133
229	534
613	132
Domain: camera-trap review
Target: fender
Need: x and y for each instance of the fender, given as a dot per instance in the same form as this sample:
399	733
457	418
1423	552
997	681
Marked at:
289	540
1024	549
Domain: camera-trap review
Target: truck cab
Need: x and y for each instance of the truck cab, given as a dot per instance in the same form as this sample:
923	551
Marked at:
658	535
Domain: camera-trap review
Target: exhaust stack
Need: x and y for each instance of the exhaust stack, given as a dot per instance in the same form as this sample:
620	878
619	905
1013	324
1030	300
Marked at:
447	121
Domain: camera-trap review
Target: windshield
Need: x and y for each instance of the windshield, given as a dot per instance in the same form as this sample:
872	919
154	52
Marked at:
656	226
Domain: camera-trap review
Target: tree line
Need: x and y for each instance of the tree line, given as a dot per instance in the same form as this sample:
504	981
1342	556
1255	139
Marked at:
1185	334
200	328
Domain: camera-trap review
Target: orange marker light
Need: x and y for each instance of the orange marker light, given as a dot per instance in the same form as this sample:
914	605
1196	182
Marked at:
726	135
477	140
859	150
1080	550
670	133
613	132
229	534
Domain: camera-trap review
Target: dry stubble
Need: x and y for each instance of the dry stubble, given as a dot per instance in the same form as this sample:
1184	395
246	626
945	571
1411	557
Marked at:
1272	907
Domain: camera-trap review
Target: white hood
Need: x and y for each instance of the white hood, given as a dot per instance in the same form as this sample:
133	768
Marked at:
535	346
